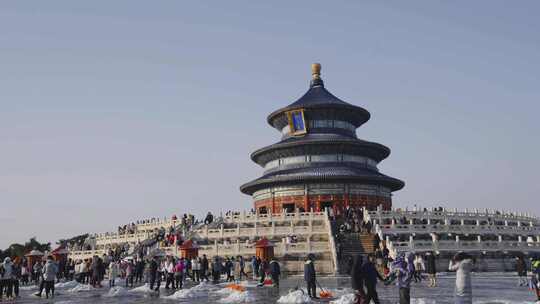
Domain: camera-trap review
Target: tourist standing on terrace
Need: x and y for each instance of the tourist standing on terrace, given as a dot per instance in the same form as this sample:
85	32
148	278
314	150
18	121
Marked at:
237	272
179	274
371	275
216	270
129	273
36	275
242	263
275	272
113	273
49	276
96	268
263	270
169	272
6	282
404	269
24	272
521	269
357	280
431	269
419	266
196	269
255	266
204	268
229	269
16	277
310	276
139	270
462	263
153	272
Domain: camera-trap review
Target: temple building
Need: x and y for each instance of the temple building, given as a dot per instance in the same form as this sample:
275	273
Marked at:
320	162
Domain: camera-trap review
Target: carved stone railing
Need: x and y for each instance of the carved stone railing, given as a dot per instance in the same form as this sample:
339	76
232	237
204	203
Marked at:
449	245
464	229
244	249
332	243
244	217
503	216
84	254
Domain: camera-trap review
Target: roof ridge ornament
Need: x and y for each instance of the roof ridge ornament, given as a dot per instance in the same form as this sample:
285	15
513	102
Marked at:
316	75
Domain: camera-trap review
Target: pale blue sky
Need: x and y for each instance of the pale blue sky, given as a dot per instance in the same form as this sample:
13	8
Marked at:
113	111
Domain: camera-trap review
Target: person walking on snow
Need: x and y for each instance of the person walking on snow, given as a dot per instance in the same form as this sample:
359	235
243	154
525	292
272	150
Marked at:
310	276
462	263
371	275
275	272
49	276
113	273
431	269
404	270
6	282
521	269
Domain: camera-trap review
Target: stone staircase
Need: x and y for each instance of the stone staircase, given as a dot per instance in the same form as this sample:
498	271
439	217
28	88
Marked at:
352	245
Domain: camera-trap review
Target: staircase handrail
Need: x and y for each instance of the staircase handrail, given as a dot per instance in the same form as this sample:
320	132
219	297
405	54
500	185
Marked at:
332	242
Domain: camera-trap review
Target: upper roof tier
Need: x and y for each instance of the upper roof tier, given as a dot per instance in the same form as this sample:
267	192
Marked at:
318	99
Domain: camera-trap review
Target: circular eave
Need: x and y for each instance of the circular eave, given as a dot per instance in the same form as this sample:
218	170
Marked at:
379	151
322	174
317	97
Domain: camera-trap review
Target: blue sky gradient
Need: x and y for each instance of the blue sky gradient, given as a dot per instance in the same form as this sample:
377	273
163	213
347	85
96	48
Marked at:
113	111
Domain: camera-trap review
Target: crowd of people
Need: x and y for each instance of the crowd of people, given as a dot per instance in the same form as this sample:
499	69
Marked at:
152	270
409	267
365	272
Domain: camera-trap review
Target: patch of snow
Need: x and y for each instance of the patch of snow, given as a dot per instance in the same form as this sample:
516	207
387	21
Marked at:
224	291
68	284
294	297
141	289
186	294
116	291
31	287
196	291
81	287
204	286
238	297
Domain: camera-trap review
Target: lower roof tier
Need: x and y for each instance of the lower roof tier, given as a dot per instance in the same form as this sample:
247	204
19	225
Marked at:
322	173
320	144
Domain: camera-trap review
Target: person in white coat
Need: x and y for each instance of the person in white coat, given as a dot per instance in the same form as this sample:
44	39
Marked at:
6	278
463	264
113	272
50	271
195	268
419	267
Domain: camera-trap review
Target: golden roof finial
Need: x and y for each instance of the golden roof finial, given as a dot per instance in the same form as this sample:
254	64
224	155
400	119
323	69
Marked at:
316	70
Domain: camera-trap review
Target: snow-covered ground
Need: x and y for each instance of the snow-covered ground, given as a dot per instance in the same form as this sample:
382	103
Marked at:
488	289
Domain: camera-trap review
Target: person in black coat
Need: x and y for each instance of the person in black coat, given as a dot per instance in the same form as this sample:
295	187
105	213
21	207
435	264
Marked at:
431	269
263	270
204	268
310	277
521	269
371	275
153	272
357	277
